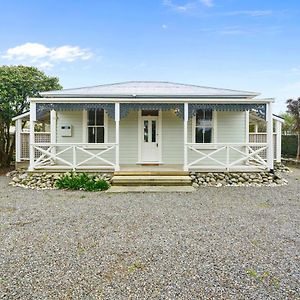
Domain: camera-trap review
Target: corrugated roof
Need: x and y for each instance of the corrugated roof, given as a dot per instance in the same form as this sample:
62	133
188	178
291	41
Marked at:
140	89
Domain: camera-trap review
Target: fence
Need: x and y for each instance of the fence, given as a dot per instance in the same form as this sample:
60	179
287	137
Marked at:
289	145
39	137
261	137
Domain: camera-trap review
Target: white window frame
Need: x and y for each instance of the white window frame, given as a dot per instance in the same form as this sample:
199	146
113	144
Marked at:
214	130
86	126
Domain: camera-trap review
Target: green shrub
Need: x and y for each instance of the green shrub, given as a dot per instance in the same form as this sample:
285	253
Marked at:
289	145
82	181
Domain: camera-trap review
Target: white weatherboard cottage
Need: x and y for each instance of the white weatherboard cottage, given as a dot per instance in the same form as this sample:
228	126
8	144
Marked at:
157	125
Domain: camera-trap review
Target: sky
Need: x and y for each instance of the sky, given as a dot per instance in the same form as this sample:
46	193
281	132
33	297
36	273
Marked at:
251	45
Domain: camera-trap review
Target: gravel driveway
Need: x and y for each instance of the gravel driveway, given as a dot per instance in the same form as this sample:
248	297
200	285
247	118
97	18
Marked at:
216	243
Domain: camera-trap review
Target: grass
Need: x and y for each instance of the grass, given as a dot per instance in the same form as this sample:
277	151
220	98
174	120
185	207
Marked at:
264	277
23	223
80	248
2	280
135	267
84	246
7	209
265	204
254	242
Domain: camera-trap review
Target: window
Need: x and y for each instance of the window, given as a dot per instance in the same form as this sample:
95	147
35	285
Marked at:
95	126
204	126
153	113
146	129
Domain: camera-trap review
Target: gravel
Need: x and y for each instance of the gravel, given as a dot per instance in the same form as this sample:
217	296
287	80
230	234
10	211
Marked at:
216	243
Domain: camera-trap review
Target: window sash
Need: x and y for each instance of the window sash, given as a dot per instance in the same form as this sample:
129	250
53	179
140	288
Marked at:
95	117
203	135
204	129
96	126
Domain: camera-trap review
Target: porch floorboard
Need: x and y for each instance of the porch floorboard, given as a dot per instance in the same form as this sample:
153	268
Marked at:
151	168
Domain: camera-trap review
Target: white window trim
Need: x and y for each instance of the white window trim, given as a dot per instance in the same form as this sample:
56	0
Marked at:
85	127
214	131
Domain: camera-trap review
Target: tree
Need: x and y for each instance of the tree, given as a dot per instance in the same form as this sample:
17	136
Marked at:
293	107
289	123
17	83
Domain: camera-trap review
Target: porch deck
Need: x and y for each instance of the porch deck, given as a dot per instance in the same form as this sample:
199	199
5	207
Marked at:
140	169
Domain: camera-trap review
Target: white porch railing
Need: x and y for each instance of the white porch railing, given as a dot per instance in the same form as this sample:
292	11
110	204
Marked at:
261	137
226	156
39	137
73	156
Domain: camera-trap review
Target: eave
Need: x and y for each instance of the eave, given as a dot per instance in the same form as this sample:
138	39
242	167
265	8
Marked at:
152	100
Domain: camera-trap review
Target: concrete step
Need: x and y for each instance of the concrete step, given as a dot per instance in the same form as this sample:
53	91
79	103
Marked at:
151	173
151	189
151	180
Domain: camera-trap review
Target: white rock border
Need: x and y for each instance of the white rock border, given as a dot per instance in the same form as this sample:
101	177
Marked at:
236	179
43	181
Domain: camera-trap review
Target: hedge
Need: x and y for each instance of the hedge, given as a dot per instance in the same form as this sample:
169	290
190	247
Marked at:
289	145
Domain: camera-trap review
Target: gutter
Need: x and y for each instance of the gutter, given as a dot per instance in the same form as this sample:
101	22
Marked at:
153	100
122	96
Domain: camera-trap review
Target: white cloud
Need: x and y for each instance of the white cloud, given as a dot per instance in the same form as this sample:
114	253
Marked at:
187	5
208	3
250	13
244	30
164	26
178	7
45	57
232	31
69	53
45	65
32	50
295	70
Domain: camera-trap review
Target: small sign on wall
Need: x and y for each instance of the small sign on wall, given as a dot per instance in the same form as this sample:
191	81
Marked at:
66	130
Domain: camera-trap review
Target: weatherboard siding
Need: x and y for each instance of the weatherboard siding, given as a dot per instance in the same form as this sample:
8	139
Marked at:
172	138
129	139
230	128
73	118
76	119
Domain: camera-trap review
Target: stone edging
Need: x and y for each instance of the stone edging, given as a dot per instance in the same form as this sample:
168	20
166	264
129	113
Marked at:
46	181
41	181
237	179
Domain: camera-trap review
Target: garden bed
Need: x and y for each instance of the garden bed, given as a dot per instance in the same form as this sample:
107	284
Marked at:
48	181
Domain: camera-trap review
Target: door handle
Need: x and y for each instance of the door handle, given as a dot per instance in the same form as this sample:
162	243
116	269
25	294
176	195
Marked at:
156	144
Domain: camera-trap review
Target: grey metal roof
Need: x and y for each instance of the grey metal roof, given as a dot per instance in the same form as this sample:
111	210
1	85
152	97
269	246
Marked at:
151	89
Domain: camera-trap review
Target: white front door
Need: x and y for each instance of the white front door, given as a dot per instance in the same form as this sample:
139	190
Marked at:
150	148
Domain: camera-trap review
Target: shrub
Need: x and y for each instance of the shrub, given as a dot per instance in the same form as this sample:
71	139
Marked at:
82	181
289	145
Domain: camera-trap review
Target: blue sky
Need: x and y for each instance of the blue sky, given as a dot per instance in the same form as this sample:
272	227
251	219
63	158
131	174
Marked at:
251	45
